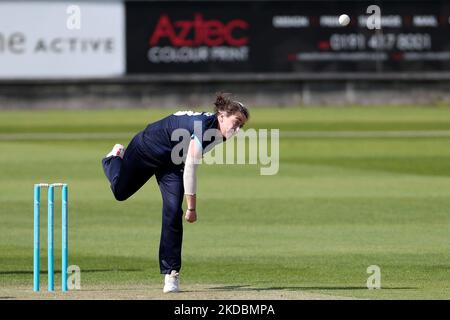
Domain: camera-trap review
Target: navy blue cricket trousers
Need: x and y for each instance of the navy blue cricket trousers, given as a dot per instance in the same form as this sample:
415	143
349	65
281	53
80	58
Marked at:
129	174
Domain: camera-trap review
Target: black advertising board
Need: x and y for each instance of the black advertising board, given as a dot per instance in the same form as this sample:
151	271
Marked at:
286	37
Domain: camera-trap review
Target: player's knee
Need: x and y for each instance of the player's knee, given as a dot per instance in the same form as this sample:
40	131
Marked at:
120	196
171	204
172	208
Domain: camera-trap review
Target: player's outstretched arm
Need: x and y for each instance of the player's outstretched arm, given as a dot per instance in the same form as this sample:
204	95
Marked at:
193	158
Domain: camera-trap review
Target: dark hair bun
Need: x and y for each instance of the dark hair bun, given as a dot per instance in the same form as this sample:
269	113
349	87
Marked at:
222	100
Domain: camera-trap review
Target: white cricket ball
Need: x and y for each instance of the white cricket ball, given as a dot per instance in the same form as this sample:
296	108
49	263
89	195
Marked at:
344	19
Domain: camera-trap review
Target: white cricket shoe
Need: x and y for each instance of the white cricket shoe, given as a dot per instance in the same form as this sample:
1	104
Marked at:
117	151
171	282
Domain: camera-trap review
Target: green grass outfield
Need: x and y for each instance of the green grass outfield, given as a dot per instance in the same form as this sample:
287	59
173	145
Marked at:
356	187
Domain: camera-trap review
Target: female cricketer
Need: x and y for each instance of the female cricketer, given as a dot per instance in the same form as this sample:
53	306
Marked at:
151	152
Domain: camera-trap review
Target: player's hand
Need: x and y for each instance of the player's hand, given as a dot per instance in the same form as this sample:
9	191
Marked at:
191	216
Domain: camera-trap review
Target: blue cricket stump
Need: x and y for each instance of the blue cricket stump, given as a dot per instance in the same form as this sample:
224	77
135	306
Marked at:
50	234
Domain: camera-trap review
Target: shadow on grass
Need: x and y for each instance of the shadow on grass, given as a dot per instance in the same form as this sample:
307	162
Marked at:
59	271
247	288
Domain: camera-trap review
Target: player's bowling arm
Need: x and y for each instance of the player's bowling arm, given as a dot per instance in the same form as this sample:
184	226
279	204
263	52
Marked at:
193	158
190	178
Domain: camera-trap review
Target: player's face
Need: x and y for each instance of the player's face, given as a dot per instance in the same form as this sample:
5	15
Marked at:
230	125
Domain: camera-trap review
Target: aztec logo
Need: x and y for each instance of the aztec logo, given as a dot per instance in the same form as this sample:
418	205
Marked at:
198	40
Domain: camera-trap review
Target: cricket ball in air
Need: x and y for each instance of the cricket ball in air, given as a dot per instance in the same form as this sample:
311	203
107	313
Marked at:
344	20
